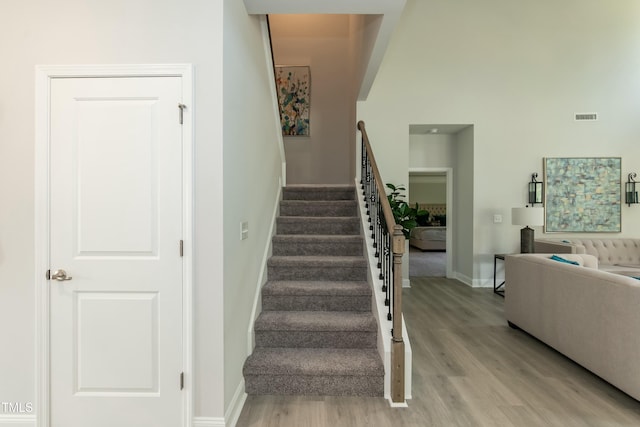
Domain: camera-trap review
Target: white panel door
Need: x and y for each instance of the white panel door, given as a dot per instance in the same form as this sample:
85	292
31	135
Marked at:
116	226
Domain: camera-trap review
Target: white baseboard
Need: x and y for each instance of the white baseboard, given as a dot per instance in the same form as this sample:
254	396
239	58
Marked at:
406	283
18	420
232	414
235	407
463	278
208	422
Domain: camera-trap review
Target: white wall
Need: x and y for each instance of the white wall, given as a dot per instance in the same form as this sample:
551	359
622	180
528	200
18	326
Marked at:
464	204
145	31
426	150
252	167
518	72
323	43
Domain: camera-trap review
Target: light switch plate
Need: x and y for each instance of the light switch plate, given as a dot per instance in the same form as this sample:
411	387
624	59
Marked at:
244	230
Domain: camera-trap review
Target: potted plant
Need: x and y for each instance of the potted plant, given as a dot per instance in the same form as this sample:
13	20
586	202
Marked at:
404	215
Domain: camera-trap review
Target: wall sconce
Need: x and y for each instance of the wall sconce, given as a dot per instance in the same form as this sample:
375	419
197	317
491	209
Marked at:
630	193
535	190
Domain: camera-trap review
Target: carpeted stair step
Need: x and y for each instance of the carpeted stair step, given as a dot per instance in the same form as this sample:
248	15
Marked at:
317	225
314	372
316	329
316	296
319	192
327	268
303	244
318	208
316	333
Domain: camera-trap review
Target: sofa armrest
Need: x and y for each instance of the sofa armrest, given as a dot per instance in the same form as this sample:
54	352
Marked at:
584	260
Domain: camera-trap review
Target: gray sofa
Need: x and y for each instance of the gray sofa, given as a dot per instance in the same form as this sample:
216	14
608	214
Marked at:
614	255
589	315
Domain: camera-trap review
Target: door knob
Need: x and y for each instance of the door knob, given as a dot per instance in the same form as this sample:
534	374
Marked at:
60	275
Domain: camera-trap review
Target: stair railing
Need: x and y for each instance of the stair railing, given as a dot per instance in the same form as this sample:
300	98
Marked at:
389	244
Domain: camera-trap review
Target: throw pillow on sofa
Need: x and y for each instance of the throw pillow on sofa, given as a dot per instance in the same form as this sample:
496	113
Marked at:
564	260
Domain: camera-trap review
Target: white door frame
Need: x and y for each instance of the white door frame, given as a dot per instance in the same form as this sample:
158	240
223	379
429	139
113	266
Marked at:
449	173
44	75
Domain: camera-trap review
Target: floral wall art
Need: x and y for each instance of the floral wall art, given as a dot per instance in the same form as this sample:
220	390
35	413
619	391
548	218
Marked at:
582	194
293	84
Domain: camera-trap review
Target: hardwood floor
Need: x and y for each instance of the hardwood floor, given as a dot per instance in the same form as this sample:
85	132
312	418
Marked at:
469	369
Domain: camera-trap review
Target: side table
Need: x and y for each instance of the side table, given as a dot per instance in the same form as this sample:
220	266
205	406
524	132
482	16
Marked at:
497	288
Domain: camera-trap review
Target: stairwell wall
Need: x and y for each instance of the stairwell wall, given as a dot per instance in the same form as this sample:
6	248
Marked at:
252	181
321	42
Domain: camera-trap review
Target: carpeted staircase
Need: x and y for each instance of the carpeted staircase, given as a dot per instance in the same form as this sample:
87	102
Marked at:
316	334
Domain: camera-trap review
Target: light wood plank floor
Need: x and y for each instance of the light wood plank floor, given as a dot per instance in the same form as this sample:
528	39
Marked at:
469	369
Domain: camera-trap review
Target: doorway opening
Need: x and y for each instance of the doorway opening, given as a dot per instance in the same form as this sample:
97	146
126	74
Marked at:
430	242
440	177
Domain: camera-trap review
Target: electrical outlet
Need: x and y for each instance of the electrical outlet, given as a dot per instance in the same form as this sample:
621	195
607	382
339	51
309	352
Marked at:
497	218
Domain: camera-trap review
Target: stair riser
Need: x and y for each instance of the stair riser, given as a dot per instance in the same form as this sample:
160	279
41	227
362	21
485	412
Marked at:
317	249
334	227
317	273
316	303
316	339
307	194
322	211
284	385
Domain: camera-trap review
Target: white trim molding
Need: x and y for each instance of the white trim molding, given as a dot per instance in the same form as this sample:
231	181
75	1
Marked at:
17	420
235	407
44	74
208	422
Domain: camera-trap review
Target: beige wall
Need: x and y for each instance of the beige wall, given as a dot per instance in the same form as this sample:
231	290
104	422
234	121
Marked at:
322	42
427	192
518	72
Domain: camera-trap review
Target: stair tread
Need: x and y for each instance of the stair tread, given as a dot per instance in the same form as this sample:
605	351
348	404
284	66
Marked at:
317	260
300	218
316	321
319	192
314	361
318	237
346	288
318	202
316	351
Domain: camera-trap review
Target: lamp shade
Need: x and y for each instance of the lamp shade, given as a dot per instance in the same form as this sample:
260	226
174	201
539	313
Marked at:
527	216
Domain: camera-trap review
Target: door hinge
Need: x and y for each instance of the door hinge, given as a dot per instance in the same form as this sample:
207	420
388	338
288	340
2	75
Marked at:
181	380
182	107
181	248
48	275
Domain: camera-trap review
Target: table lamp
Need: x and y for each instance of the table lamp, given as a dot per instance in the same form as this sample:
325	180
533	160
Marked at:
527	216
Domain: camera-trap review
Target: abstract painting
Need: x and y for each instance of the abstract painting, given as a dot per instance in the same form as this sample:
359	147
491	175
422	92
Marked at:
294	98
582	195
